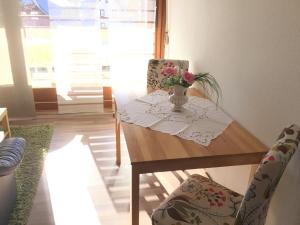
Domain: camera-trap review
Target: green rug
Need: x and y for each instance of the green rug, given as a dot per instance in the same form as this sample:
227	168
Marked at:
28	174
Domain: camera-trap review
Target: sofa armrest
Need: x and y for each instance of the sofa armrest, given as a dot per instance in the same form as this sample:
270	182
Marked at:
11	154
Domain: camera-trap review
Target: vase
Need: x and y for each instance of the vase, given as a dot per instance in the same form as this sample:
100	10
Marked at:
178	98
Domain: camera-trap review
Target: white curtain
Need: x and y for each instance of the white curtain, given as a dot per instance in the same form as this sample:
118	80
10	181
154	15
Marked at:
88	43
116	36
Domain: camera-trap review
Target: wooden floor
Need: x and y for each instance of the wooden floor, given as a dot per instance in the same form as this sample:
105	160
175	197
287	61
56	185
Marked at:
81	183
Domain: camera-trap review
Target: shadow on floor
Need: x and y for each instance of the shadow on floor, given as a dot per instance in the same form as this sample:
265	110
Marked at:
117	179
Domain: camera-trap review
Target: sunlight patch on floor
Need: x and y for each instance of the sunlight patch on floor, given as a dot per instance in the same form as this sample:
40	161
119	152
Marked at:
86	187
70	171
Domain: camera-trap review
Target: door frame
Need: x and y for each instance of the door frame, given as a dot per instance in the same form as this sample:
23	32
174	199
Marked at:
160	28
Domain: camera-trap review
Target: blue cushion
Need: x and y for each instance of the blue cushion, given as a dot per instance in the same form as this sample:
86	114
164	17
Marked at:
11	154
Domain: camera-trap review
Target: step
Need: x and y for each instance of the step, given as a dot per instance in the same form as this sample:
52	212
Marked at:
87	92
82	99
83	108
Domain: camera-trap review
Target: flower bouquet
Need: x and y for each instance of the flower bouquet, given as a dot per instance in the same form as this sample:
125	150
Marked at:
181	80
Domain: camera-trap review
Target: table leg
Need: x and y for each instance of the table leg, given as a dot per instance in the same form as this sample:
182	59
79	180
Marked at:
135	196
118	140
5	125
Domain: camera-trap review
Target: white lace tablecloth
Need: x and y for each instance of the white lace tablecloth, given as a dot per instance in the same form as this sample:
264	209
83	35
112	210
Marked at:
200	121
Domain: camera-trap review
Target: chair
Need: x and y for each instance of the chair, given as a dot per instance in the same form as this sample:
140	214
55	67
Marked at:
202	201
11	154
154	75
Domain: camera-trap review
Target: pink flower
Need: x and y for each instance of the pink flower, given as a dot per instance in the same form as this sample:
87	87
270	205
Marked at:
188	77
169	64
220	204
169	71
271	158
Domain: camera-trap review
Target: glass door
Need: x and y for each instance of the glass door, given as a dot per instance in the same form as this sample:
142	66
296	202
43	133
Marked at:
79	46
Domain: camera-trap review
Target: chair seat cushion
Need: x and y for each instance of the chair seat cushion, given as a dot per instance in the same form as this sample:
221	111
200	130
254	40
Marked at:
198	201
11	153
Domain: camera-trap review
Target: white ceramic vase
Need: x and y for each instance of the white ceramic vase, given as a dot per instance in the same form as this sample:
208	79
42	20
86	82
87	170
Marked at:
178	98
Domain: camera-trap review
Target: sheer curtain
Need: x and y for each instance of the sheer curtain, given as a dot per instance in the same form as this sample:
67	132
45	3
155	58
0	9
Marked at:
79	46
118	35
131	42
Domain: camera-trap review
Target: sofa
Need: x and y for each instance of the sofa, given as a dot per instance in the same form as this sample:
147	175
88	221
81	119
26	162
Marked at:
11	154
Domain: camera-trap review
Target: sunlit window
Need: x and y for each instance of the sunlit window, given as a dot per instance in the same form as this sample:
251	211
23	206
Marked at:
37	43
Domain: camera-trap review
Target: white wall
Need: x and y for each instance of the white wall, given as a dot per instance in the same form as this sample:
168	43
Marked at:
253	49
5	67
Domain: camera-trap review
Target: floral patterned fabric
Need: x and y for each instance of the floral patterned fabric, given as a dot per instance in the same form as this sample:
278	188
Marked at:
154	75
254	208
203	202
198	201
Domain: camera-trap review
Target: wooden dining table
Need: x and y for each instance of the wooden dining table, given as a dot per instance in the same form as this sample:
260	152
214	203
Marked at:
153	151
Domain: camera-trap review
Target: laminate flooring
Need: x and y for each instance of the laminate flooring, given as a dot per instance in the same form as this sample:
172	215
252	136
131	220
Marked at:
81	185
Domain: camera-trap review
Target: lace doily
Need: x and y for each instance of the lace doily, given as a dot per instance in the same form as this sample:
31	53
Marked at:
200	121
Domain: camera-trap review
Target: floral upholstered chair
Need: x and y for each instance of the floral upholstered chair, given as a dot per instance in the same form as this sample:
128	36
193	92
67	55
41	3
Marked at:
201	201
154	75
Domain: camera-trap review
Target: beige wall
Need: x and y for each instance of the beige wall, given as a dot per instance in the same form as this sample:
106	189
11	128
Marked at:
5	67
15	92
253	49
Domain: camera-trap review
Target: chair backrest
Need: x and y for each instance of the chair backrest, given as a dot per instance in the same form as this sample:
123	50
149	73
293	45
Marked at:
154	75
254	207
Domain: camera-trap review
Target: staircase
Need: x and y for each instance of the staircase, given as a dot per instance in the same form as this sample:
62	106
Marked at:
82	100
85	80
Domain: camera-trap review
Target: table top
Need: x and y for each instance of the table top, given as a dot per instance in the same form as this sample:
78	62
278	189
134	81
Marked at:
148	148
